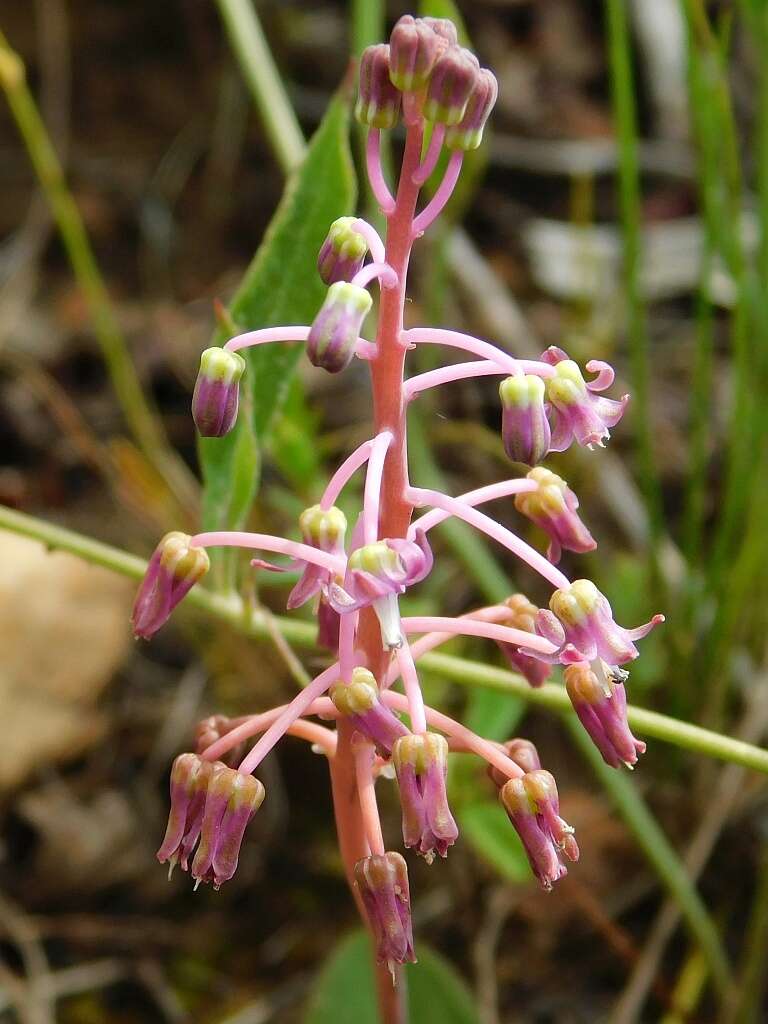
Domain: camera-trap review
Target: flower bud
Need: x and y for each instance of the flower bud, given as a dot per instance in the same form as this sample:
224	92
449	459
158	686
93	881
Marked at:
413	49
421	763
603	715
552	507
382	882
522	752
378	101
336	328
232	798
445	31
359	700
173	570
210	730
453	78
468	133
522	615
524	426
325	529
533	807
342	253
189	784
217	391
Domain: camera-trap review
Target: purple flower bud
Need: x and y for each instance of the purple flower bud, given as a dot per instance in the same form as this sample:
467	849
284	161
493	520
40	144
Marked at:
522	752
553	509
533	807
524	425
578	413
231	800
217	391
189	784
445	31
468	133
603	714
382	881
325	529
413	49
522	615
421	763
359	701
173	570
451	84
328	624
210	730
342	253
378	101
336	328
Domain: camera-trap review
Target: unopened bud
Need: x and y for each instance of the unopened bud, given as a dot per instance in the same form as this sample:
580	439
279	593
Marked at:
450	85
524	426
468	133
413	49
336	328
217	390
342	253
378	101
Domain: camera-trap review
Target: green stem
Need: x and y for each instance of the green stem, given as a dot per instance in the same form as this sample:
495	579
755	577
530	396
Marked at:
257	65
752	980
256	623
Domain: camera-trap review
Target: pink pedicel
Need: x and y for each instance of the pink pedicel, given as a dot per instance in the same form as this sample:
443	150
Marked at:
376	724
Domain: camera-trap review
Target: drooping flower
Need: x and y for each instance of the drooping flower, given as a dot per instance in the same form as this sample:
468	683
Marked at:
382	881
451	84
524	424
342	253
421	763
359	700
413	49
468	133
334	332
217	391
324	529
578	412
378	101
533	807
552	507
522	615
189	784
231	800
173	570
603	715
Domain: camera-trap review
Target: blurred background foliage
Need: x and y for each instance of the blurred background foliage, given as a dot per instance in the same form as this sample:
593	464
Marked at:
620	210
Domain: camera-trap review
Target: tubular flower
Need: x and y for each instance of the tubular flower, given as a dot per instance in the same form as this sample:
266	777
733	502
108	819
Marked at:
522	615
468	133
378	101
581	624
533	807
359	701
524	424
324	529
173	570
523	753
334	332
413	49
603	715
553	509
231	800
217	391
189	784
382	881
421	763
376	574
578	412
451	84
342	253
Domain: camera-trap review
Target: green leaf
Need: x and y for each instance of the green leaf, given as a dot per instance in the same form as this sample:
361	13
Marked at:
280	287
493	715
345	992
487	828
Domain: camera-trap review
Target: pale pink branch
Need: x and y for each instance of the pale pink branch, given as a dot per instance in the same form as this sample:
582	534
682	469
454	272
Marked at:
414	386
344	473
366	793
413	694
315	734
381	272
265	336
432	155
467	626
491	492
379	186
347	632
372	493
372	237
434	208
466	342
266	542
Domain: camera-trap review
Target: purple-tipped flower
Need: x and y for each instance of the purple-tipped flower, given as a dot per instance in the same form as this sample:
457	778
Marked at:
579	413
421	763
359	700
534	809
217	391
552	507
603	714
581	626
376	574
524	425
445	31
342	253
523	753
378	101
413	49
382	881
173	570
324	529
336	328
522	615
189	785
451	84
231	800
468	133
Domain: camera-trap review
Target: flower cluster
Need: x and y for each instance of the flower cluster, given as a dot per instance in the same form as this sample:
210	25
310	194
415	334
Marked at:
356	581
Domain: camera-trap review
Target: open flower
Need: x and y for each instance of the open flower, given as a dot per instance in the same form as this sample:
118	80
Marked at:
603	714
173	570
579	413
359	700
421	763
522	615
533	807
552	507
382	881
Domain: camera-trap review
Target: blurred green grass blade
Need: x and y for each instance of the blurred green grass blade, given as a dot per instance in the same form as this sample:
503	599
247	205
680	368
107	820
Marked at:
661	855
369	24
485	825
344	992
281	286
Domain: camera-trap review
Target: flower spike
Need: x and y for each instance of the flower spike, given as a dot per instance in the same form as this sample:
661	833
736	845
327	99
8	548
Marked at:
553	509
421	763
173	570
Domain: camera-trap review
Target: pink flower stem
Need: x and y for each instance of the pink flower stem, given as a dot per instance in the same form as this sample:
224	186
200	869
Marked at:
375	271
315	734
252	725
293	711
415	700
414	386
366	793
444	192
344	473
503	489
372	493
379	186
432	155
265	336
499	533
372	237
468	627
266	542
468	343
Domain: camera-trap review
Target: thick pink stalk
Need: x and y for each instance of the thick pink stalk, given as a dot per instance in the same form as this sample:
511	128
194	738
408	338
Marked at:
266	542
479	496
